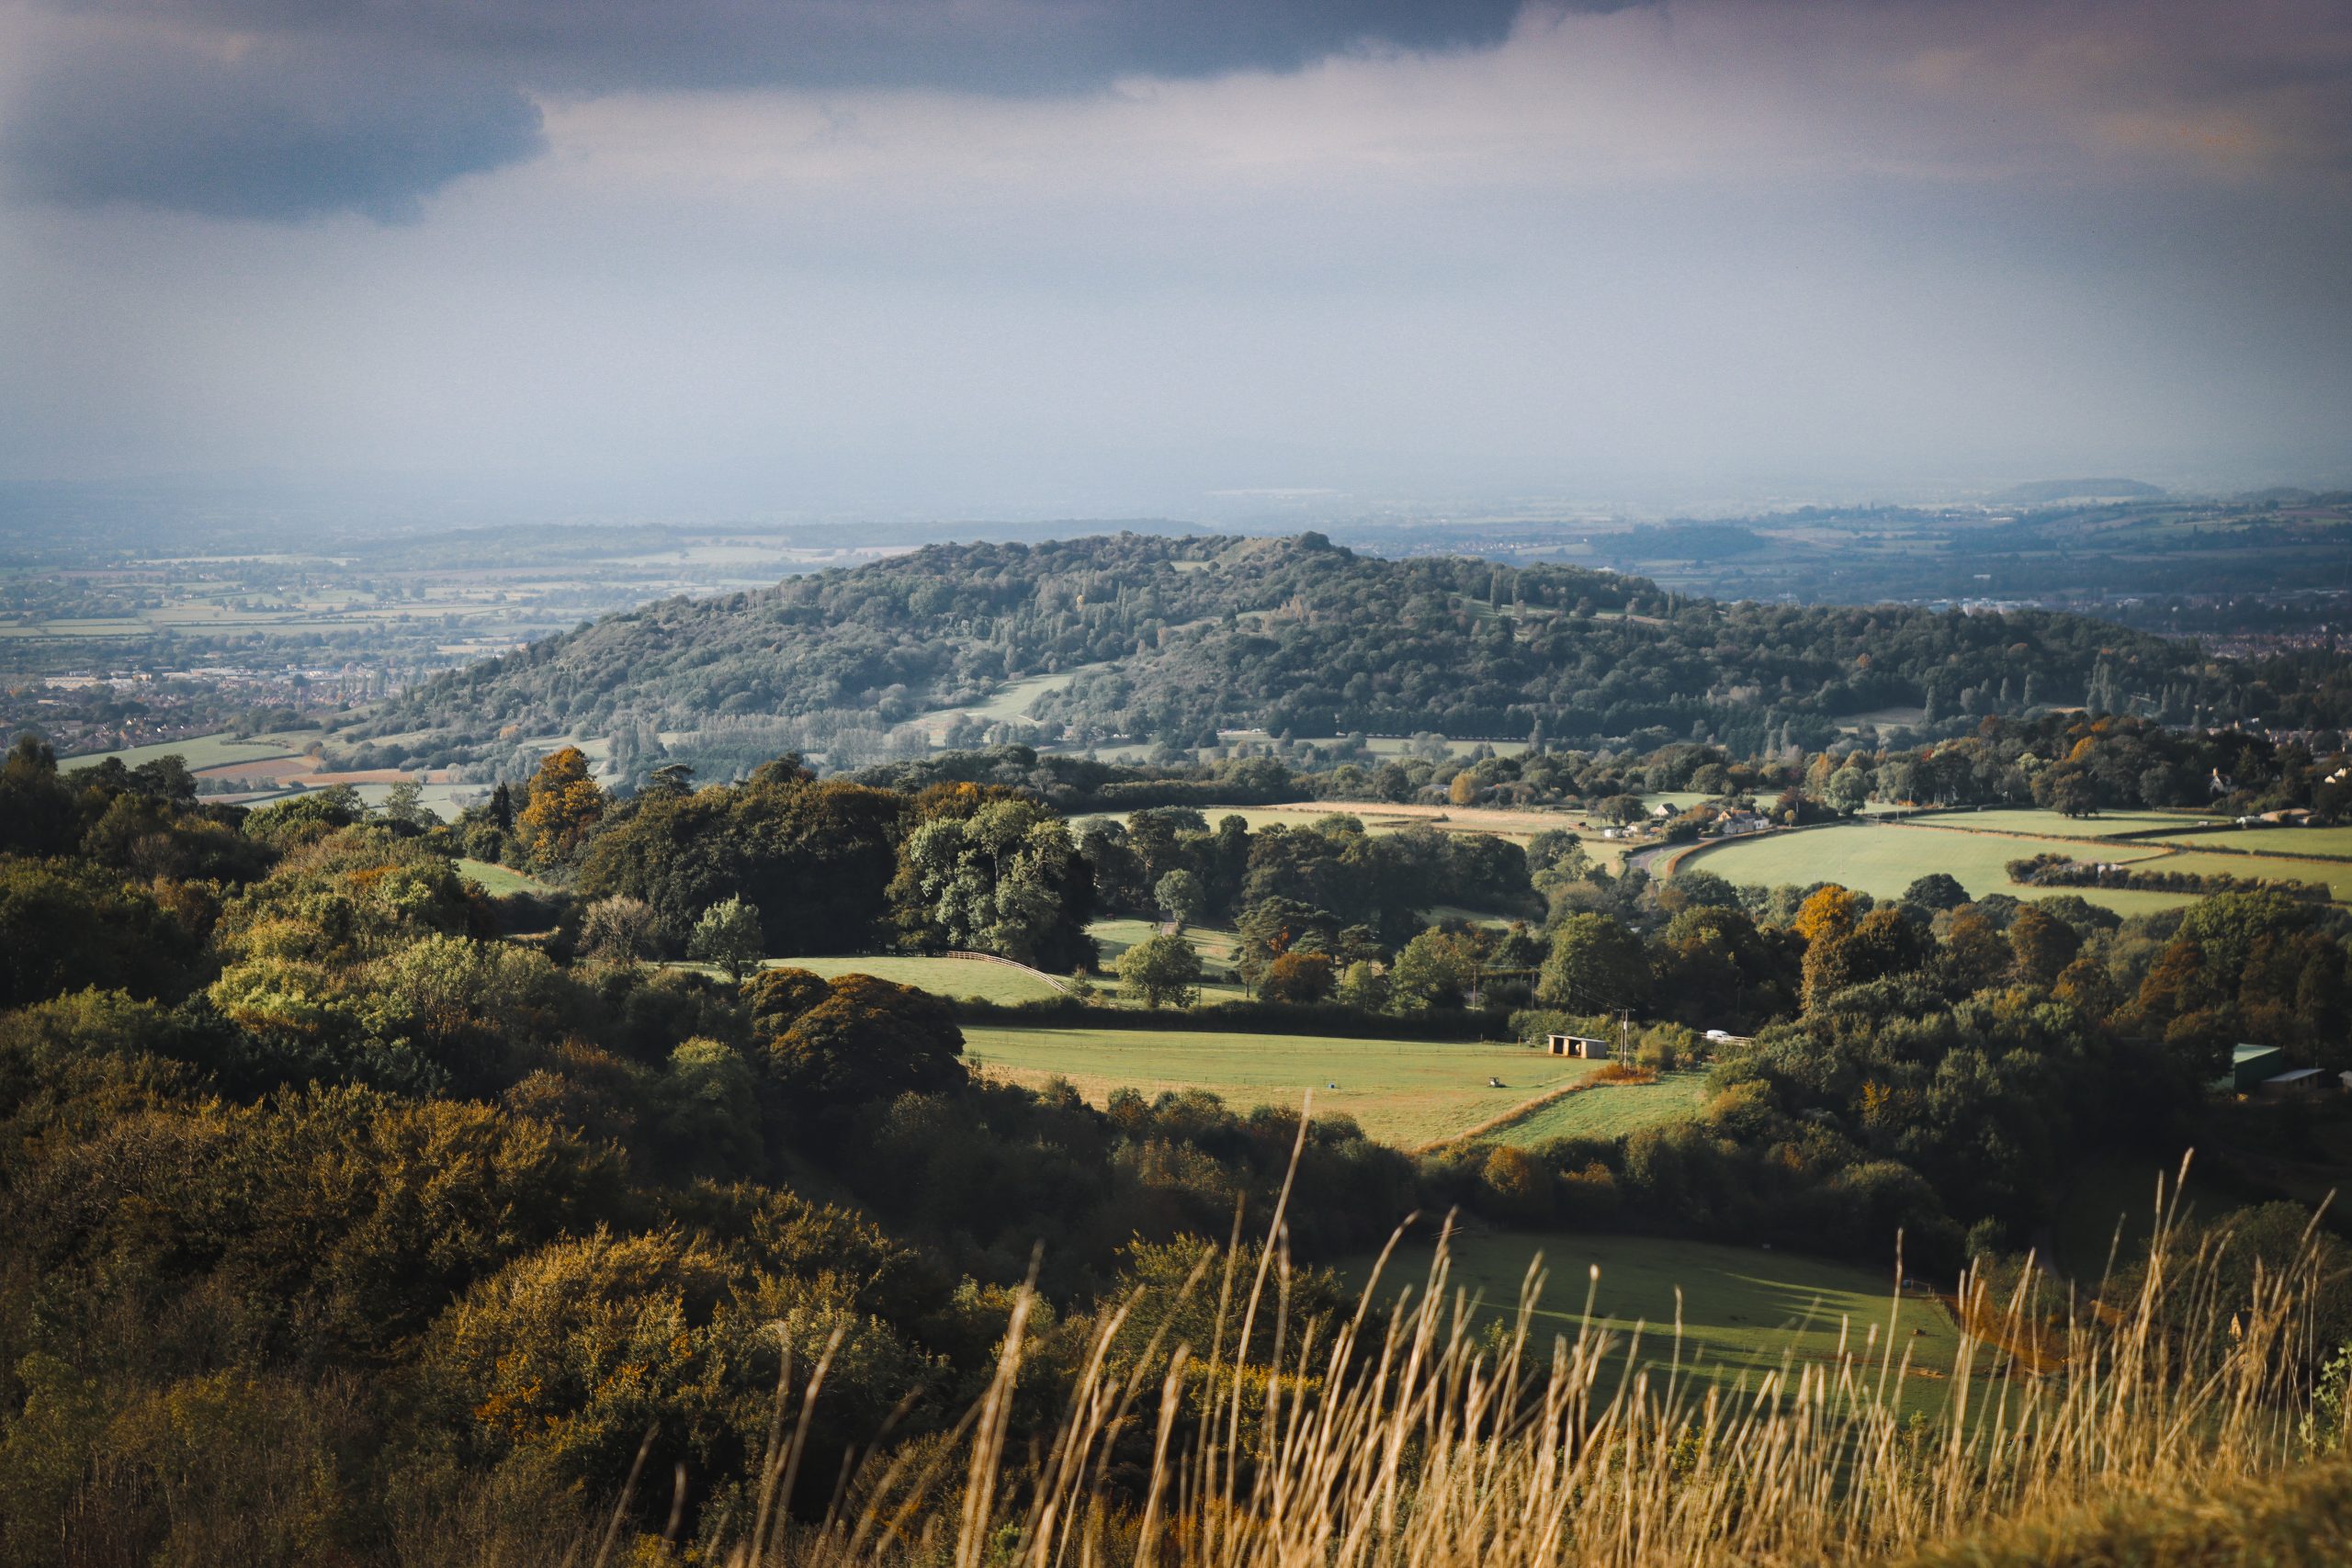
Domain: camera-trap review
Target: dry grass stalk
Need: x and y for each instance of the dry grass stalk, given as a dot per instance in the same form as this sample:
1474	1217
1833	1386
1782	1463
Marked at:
1406	1438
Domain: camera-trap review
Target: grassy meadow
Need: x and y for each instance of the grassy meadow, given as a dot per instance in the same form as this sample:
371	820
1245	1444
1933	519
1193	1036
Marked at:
2289	841
1215	944
1976	847
1883	858
498	880
2036	823
969	977
1745	1312
200	751
1407	1092
1449	1437
1605	1110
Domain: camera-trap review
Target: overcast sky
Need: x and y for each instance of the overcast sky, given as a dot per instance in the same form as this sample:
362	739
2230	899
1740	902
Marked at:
741	256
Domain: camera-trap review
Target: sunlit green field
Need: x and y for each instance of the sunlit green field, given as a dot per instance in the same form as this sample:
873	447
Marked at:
1215	944
200	751
941	976
1745	1312
1882	859
1606	1110
1407	1092
2058	824
498	880
2273	841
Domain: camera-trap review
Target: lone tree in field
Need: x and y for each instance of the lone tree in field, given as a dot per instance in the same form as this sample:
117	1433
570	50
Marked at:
1161	969
1179	894
728	935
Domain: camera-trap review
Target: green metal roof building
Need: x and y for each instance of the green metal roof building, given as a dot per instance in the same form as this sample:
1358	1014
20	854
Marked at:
2252	1066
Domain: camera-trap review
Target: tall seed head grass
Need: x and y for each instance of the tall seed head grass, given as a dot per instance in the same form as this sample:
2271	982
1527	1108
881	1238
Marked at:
1403	1437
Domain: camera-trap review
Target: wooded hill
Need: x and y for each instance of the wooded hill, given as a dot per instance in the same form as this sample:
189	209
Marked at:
1169	640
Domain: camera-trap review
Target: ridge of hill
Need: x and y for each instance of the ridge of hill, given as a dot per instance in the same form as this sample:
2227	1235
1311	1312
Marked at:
1142	638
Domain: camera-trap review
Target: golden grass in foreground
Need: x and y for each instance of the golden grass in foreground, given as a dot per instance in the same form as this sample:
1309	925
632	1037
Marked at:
1408	1441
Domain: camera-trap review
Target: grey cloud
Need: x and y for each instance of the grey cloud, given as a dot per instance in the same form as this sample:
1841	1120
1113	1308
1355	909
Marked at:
368	106
276	131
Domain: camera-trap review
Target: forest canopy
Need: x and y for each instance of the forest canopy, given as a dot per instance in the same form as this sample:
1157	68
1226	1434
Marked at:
1171	641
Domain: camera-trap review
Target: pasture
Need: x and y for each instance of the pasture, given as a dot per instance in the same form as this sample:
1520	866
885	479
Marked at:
969	977
2290	842
1881	859
1605	1110
1215	944
498	880
1009	701
1745	1312
200	751
2042	824
1406	1092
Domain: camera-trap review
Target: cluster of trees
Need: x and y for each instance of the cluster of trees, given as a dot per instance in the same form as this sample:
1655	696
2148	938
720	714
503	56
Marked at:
334	1227
1931	1063
335	1224
1174	640
1331	864
2081	764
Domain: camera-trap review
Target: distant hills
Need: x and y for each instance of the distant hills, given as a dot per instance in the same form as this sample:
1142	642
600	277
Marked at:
2048	493
1167	641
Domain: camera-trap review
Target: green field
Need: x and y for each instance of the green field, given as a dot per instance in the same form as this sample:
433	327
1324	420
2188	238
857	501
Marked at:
1607	1111
941	976
1009	701
498	880
2273	841
1215	944
1882	859
1745	1312
1407	1092
200	751
2057	825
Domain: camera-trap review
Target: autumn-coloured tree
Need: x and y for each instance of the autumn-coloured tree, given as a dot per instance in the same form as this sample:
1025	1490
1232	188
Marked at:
564	804
1298	977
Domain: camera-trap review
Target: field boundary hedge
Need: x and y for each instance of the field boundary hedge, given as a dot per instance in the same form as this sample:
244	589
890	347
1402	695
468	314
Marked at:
1239	1018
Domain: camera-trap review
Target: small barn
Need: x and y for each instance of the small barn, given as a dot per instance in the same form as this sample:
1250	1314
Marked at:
2303	1080
1587	1045
2251	1067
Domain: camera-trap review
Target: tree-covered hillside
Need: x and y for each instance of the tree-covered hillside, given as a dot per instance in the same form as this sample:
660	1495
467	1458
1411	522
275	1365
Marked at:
1167	640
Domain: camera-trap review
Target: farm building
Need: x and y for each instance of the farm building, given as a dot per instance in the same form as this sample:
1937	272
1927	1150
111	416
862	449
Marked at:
1587	1045
2303	1080
2252	1066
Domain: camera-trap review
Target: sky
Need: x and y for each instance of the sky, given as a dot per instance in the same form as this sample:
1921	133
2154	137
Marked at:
710	258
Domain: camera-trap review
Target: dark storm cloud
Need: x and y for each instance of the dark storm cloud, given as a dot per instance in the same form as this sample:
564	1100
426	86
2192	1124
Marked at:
279	108
276	131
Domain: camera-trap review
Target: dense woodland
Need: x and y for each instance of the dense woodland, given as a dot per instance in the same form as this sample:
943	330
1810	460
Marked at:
1170	640
339	1221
